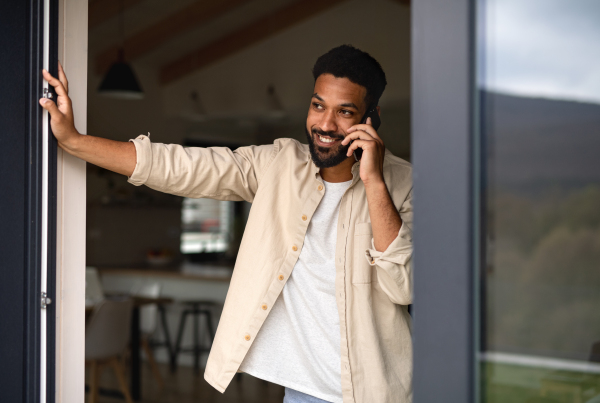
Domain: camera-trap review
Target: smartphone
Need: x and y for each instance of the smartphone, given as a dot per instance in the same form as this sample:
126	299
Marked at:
375	122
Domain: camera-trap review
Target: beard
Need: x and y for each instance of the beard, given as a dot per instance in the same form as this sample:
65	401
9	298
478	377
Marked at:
325	157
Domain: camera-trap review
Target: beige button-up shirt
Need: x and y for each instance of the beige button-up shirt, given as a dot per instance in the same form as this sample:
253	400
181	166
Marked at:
373	287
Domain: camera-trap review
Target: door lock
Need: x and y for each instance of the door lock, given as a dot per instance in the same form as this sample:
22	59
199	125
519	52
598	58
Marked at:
47	94
45	300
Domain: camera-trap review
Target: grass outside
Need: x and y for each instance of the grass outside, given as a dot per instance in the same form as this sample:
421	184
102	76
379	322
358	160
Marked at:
505	383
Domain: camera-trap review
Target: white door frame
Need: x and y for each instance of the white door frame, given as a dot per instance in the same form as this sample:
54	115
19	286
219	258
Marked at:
71	212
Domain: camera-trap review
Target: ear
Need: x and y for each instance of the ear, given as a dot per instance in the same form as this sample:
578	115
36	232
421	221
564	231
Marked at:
378	110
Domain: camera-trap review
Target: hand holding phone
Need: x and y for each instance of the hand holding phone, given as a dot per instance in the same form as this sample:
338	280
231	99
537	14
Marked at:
375	122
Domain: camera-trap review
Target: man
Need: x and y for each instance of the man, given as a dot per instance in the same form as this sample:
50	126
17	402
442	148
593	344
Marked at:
319	294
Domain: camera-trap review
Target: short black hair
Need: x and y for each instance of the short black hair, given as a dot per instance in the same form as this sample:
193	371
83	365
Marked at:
361	68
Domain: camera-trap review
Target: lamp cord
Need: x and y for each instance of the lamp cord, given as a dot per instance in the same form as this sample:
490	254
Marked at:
122	33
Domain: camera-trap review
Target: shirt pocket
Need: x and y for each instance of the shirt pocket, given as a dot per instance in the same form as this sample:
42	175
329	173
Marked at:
362	271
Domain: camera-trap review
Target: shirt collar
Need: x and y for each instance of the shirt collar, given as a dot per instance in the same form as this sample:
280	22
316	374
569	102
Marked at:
355	171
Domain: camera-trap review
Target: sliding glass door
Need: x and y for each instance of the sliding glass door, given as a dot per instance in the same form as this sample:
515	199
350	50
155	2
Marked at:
27	203
540	123
506	136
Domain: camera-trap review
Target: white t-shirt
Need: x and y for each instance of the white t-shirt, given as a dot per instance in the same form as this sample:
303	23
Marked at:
298	345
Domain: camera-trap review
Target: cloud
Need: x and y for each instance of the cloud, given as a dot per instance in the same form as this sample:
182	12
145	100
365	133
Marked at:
542	48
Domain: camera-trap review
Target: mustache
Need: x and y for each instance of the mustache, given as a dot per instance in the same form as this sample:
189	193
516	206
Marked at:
333	135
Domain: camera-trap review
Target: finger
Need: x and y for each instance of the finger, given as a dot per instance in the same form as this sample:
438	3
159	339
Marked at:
374	132
50	107
358	144
357	135
365	128
58	87
63	77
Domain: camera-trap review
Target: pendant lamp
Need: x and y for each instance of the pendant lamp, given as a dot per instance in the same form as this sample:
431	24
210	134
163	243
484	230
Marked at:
120	81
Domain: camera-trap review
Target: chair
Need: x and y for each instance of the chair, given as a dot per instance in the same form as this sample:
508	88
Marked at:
196	308
106	338
148	325
94	293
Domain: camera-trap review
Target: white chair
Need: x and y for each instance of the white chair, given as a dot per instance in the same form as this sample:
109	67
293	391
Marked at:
148	313
94	293
106	338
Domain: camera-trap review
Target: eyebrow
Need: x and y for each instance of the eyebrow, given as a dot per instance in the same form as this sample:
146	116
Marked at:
349	105
345	105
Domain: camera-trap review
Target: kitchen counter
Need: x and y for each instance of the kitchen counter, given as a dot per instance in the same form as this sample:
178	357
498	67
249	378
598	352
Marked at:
190	282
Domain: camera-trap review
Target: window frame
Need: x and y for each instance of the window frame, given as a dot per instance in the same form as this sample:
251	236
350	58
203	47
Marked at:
445	236
71	213
446	156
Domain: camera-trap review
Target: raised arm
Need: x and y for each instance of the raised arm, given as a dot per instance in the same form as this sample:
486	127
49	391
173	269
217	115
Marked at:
117	156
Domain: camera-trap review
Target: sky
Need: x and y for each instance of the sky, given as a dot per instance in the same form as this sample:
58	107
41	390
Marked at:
541	48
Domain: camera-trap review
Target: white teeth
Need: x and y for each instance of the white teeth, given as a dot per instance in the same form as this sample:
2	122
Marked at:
326	140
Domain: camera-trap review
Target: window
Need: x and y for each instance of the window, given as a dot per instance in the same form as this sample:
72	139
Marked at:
540	118
206	225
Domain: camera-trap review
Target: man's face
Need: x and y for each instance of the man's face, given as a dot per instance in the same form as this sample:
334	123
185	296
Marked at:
336	105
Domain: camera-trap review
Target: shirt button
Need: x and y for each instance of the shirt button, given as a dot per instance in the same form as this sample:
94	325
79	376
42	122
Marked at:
280	277
247	337
264	307
304	218
294	248
320	187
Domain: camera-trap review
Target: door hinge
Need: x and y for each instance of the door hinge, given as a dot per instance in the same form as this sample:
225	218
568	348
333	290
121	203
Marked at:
45	300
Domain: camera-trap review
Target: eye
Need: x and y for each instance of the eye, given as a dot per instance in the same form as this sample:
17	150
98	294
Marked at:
346	112
317	105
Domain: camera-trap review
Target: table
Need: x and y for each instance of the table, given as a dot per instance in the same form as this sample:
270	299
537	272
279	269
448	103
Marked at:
175	285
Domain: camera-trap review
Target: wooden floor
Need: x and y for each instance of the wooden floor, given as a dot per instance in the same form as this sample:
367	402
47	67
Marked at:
185	387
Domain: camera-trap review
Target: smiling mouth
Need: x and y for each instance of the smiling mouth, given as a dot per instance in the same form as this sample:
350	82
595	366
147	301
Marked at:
324	140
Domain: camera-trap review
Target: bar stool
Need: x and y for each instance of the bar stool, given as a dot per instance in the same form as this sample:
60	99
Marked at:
196	308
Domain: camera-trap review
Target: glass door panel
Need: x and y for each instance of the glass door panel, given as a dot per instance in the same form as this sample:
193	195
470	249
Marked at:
539	116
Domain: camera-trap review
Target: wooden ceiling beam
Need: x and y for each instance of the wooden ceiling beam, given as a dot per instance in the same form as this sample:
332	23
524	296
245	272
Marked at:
100	11
145	41
254	32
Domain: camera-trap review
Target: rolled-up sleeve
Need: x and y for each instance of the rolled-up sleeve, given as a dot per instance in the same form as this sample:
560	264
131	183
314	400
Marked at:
213	172
143	164
394	265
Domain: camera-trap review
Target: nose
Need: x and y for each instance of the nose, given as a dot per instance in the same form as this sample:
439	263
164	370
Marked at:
328	123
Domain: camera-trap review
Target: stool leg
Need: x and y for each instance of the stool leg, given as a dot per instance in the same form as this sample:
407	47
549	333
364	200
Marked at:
178	343
196	341
209	324
163	321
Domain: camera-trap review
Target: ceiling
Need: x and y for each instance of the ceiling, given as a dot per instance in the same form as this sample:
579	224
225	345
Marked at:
178	37
254	45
